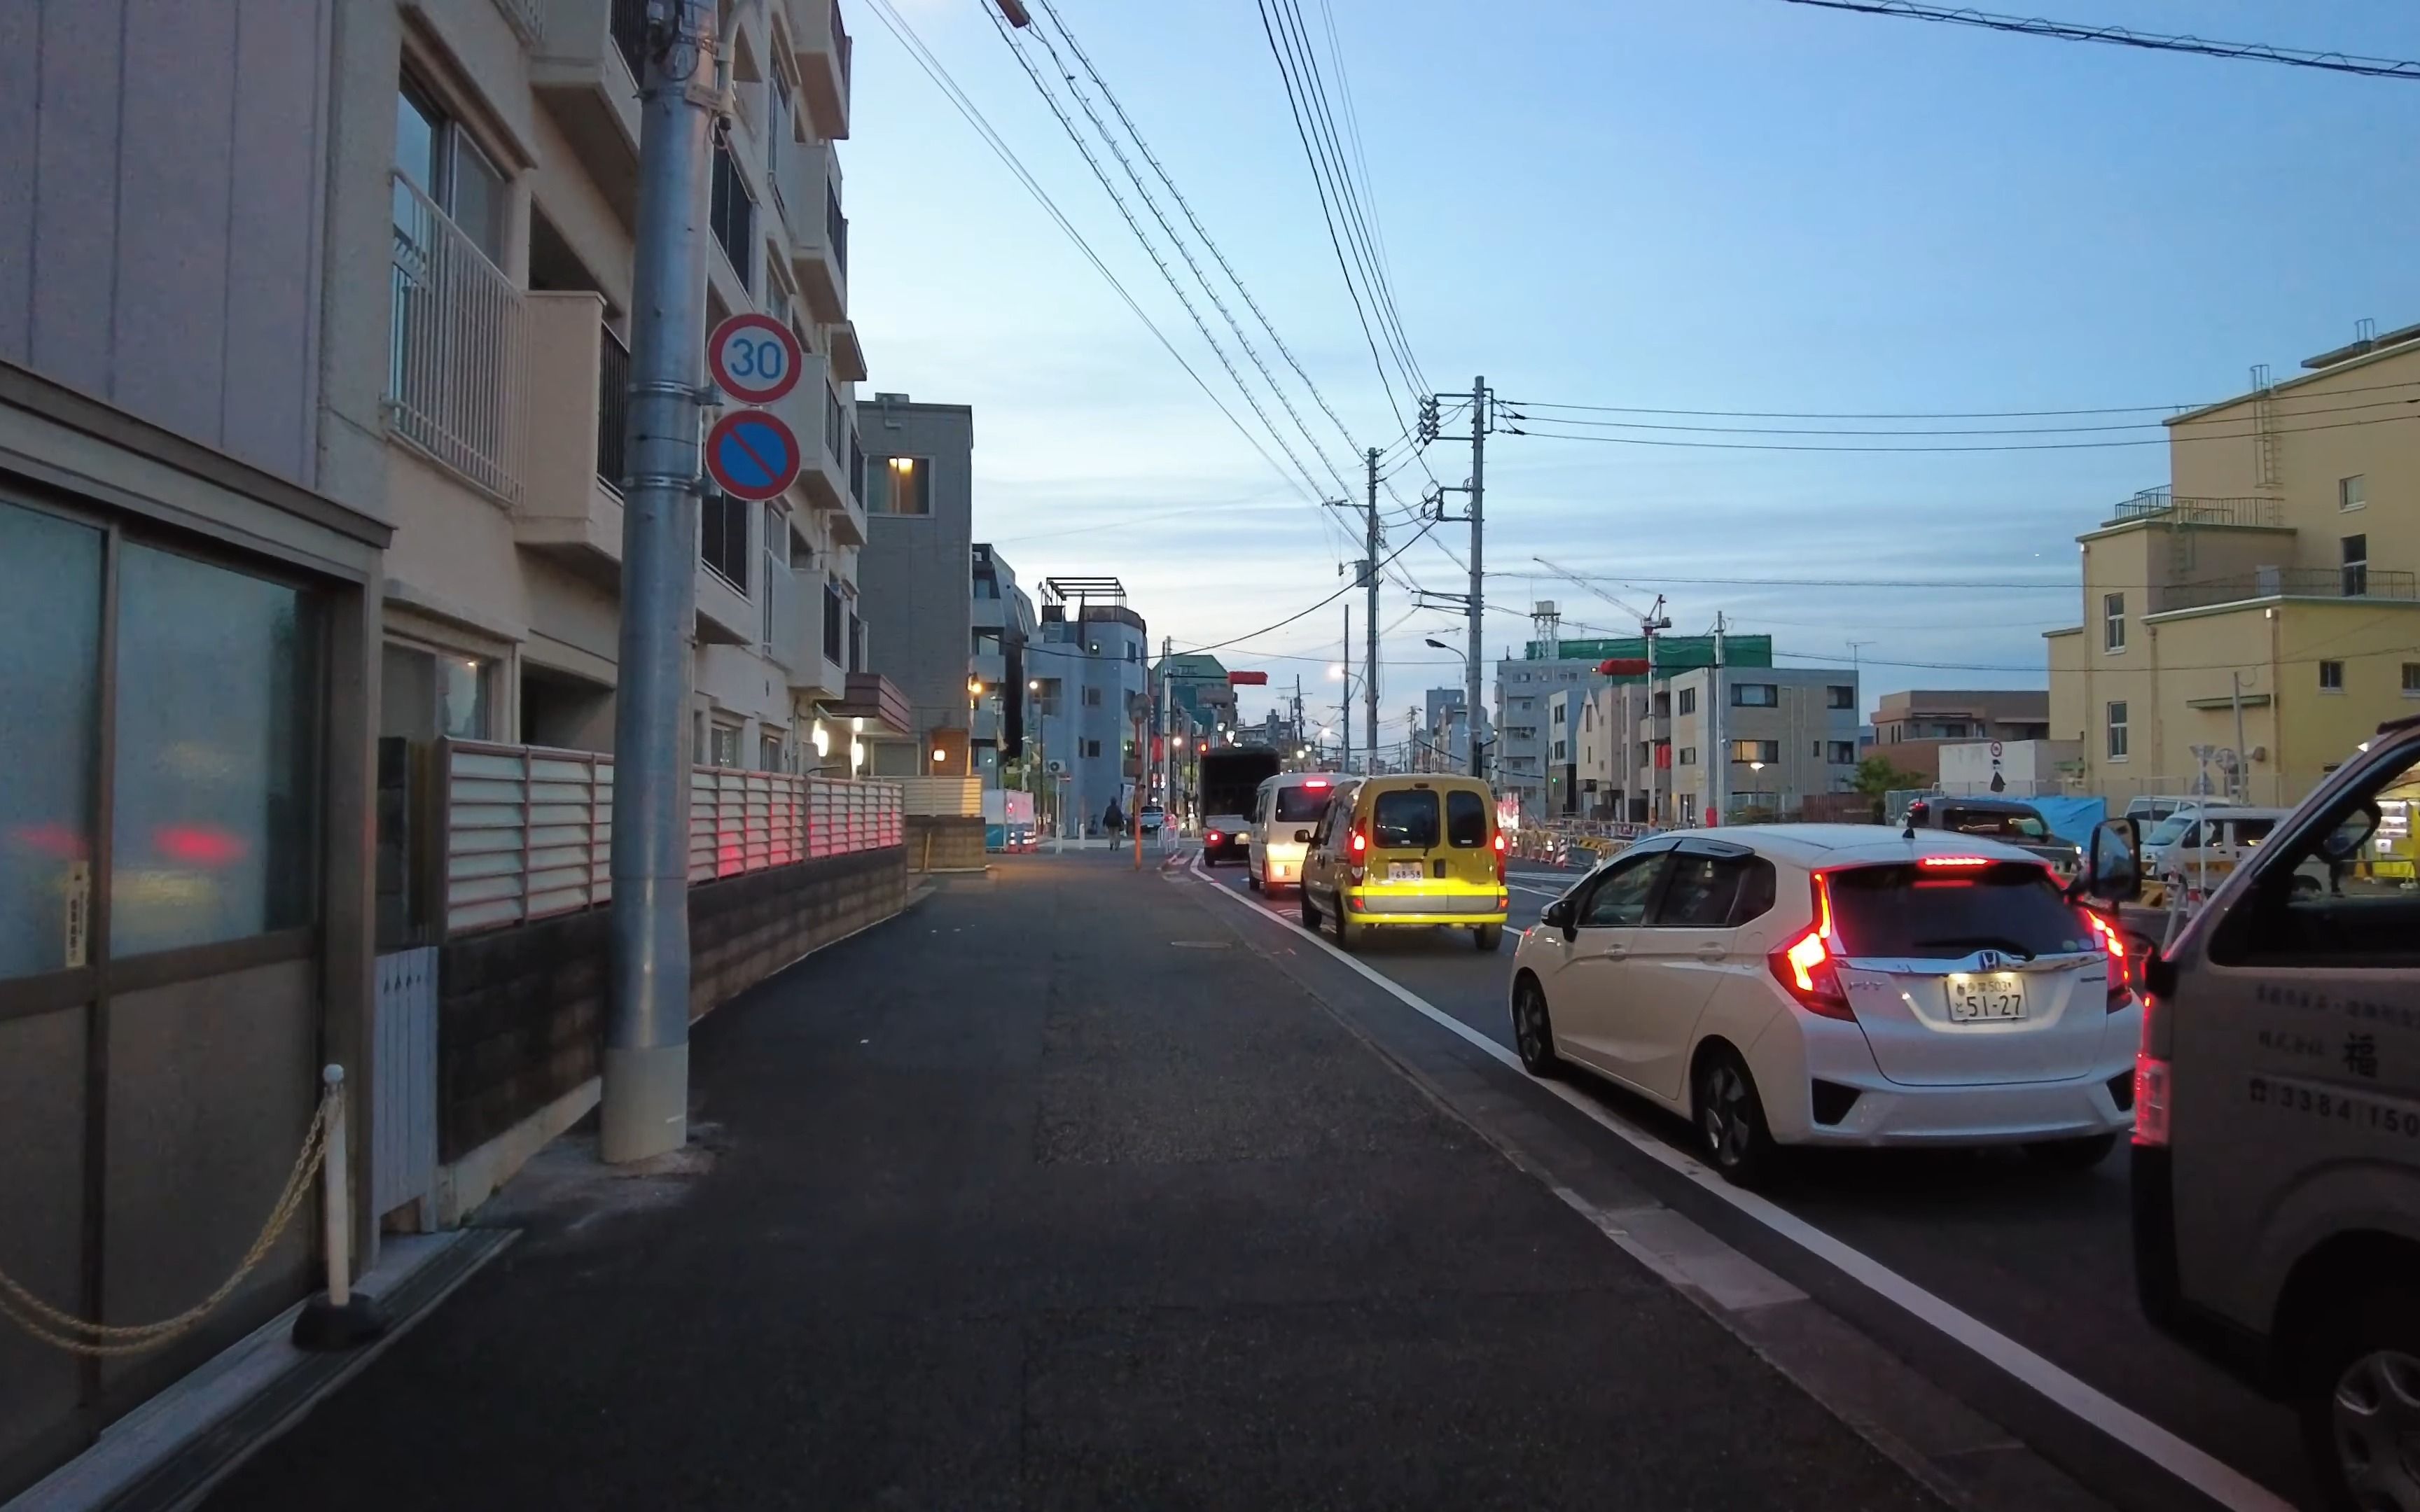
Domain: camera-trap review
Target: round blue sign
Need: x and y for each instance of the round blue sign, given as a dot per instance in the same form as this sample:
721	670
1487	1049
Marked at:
751	454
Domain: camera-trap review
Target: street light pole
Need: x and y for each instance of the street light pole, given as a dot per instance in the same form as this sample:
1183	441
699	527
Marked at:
644	1109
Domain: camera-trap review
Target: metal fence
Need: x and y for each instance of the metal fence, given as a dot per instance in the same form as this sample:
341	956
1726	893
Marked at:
2160	503
527	831
2288	582
459	348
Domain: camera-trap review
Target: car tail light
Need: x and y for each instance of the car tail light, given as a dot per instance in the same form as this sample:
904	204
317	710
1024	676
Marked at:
1499	856
1805	966
1359	843
1211	838
2114	945
2151	1080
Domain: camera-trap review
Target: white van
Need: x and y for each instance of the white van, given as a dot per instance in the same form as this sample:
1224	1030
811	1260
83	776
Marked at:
2205	840
1283	813
2276	1149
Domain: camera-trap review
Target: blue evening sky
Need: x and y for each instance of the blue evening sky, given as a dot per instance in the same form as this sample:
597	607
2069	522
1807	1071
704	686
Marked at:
1739	205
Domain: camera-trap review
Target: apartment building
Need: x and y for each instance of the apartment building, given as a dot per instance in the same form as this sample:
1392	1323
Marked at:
481	204
190	609
1197	685
1091	663
1004	625
1910	728
916	572
1747	743
1517	758
1535	758
1443	741
2249	624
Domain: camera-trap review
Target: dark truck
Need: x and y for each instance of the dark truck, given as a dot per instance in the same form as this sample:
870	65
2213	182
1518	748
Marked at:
1230	785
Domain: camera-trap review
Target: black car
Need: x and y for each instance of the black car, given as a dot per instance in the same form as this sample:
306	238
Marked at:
1225	837
2005	820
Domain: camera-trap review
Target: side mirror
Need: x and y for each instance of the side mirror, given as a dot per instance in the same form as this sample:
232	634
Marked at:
1301	836
1558	915
2351	833
2113	862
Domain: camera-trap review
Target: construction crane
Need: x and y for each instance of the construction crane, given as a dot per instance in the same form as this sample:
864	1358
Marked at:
1588	584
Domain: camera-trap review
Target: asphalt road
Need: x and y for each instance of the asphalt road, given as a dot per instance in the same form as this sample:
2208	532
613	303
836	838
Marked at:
2042	1258
1065	1190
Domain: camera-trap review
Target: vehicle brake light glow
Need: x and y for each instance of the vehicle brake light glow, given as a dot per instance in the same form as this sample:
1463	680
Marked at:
1315	782
1954	860
2114	945
2151	1100
1212	837
1805	966
1361	842
1499	856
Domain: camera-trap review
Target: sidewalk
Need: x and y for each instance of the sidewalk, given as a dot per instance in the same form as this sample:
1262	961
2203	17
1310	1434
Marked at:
1050	1195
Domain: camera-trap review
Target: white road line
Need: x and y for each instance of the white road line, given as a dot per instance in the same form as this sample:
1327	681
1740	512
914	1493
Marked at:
2212	1477
1542	892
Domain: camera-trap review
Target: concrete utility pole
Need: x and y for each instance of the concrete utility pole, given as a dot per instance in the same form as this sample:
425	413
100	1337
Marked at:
1370	618
1344	703
2243	773
1719	778
645	1099
1478	565
1167	750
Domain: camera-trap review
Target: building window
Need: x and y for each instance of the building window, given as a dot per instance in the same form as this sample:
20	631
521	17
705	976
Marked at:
722	744
1766	751
1842	754
440	159
426	695
2113	622
2117	732
1092	698
2332	677
2412	679
1840	696
722	538
856	643
779	112
903	485
1560	752
768	753
1688	756
2352	493
1755	696
1092	748
986	643
1688	701
835	613
732	215
2356	566
1134	652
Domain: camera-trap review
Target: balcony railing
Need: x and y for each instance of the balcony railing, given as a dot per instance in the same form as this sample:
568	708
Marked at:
2159	504
2284	582
837	227
628	22
459	348
612	409
528	831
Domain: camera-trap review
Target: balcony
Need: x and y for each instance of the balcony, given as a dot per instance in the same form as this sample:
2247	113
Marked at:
570	506
2361	584
876	699
585	67
822	422
809	180
457	351
799	644
848	356
823	57
2160	504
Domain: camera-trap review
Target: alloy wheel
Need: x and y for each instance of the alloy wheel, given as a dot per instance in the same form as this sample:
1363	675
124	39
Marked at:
2376	1414
1724	1115
1530	1035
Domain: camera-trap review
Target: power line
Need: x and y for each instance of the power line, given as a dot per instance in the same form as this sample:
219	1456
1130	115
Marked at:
1220	645
1987	430
1085	148
2024	446
2066	31
2176	406
966	107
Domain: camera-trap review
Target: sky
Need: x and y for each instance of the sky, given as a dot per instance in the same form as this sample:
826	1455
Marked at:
1706	204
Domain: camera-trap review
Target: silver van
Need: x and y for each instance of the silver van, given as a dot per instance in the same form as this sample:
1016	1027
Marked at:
2277	1146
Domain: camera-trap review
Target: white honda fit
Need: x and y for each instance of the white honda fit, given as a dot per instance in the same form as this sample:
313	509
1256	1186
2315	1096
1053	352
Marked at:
1837	984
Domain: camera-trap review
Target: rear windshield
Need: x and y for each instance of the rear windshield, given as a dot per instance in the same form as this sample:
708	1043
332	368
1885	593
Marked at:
1301	805
1466	818
1925	913
2004	823
1404	819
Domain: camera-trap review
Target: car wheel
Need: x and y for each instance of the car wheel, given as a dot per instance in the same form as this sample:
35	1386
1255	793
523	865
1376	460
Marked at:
2072	1154
1252	878
1486	937
2360	1401
1309	912
1348	934
1533	1030
1731	1120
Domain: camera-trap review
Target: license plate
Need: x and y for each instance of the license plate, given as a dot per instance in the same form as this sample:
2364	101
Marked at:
1406	871
1976	999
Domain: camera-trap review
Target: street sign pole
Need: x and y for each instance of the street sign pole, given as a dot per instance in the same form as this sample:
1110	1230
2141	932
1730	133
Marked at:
644	1108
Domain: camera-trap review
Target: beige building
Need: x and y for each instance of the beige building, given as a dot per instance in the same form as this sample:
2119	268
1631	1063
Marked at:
2269	589
482	197
1911	727
1766	738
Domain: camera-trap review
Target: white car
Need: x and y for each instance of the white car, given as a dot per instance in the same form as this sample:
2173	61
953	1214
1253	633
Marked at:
1837	984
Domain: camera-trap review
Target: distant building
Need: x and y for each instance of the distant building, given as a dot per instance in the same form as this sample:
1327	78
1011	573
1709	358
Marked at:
1531	762
1197	682
1091	663
1003	623
913	576
1911	728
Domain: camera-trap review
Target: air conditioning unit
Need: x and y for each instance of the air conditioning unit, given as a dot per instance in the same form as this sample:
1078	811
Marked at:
1054	766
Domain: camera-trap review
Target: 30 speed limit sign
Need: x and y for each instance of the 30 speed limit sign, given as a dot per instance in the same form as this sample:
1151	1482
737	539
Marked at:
754	358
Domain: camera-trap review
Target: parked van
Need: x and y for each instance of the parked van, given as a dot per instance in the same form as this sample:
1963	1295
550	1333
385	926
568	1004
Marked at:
1283	813
2277	1146
1419	849
2197	841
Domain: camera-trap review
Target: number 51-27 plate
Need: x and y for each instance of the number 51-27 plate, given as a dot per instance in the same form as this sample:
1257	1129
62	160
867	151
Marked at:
1999	995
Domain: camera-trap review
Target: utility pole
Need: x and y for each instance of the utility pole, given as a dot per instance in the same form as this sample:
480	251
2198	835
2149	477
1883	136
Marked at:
1478	562
1654	620
1345	704
1298	741
644	1108
1719	776
2242	774
1370	618
1167	750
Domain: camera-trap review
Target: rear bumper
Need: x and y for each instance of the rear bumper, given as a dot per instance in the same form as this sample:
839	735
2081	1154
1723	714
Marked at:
1889	1112
1367	905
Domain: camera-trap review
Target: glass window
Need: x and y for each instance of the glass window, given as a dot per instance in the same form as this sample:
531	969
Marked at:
722	537
1688	701
733	216
1404	819
1842	754
1300	804
1767	752
1755	696
2356	566
1907	913
835	611
2338	895
1465	819
463	697
2332	677
2113	622
905	487
723	749
49	717
1714	891
1840	696
2411	677
216	782
1618	900
2352	491
2117	721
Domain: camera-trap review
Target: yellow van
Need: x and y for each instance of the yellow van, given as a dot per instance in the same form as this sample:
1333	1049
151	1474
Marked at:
1420	849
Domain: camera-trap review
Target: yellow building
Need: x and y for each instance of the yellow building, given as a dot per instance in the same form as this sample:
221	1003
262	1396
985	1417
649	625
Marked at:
2264	602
